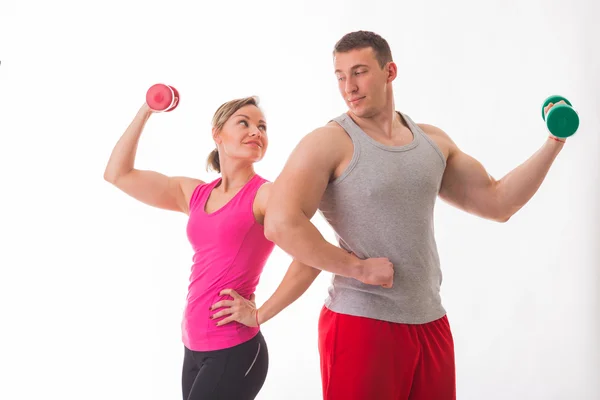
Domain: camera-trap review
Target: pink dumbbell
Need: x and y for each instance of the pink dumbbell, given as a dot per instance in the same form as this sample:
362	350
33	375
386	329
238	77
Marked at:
162	98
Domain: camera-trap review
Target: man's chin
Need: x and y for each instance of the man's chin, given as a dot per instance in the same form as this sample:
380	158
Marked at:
360	112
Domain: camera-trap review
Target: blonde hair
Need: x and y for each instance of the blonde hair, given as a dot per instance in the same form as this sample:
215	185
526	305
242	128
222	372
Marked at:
223	113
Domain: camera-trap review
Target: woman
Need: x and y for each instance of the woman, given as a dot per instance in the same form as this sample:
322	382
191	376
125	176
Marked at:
222	359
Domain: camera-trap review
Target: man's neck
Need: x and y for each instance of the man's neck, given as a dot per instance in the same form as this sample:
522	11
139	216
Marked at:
385	123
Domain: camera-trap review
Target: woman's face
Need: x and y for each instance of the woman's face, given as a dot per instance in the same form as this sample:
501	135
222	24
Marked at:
244	135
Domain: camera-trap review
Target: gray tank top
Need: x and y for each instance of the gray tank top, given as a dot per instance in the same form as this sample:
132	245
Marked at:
382	206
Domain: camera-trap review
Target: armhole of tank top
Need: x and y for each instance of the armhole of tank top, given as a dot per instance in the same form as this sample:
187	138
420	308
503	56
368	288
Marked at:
199	192
429	140
260	184
196	194
355	155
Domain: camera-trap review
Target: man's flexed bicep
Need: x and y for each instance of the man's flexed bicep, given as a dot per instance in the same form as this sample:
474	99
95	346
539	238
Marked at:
297	191
294	199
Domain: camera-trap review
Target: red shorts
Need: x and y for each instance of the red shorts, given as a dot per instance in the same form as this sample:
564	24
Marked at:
368	359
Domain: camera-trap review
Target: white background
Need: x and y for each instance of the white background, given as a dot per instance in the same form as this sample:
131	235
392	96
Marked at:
92	282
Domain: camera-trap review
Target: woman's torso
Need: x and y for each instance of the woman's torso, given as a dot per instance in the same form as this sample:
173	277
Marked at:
230	251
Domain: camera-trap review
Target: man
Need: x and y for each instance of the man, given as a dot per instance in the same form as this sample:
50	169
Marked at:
375	175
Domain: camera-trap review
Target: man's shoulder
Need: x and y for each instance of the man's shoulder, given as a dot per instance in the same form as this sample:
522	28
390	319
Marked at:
439	137
435	132
430	129
329	141
330	132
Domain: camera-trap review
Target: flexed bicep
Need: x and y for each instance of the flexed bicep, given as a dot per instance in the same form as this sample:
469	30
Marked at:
299	188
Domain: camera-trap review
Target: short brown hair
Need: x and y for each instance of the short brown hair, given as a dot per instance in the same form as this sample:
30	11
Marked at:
223	113
363	39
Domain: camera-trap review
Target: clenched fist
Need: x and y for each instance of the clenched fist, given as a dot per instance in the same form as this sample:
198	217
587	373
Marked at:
377	271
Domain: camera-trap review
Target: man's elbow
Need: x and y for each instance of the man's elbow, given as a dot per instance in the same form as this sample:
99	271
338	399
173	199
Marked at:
500	211
275	224
271	231
502	218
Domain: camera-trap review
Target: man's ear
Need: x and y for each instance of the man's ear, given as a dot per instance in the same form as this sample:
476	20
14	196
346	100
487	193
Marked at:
392	71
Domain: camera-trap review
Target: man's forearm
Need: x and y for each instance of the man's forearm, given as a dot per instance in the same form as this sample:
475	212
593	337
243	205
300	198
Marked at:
296	281
518	186
303	241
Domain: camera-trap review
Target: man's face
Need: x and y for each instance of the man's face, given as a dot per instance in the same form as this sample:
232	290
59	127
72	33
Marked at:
362	82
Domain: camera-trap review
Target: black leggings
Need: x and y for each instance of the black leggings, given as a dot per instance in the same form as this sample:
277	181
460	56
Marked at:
236	373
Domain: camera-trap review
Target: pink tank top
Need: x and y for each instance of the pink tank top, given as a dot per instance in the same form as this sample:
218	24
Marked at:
230	251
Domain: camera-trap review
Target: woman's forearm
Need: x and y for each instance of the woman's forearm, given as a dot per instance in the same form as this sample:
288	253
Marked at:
296	281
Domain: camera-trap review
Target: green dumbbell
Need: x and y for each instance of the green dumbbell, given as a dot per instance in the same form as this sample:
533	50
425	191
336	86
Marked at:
562	120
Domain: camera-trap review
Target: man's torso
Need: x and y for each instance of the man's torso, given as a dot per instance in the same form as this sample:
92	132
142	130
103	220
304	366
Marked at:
380	203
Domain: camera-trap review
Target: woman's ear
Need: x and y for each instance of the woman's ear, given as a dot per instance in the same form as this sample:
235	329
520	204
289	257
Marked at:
215	135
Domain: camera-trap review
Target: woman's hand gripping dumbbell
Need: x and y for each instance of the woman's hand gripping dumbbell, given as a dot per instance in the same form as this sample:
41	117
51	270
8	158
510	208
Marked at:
162	98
